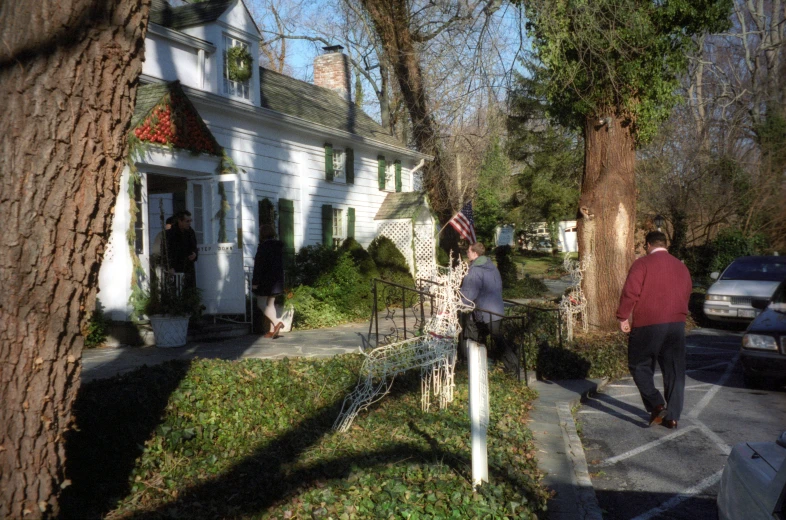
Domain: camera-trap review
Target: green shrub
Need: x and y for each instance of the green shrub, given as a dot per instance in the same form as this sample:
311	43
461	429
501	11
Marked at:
96	330
253	439
311	312
391	264
443	258
506	266
592	356
731	244
361	257
718	254
311	262
527	287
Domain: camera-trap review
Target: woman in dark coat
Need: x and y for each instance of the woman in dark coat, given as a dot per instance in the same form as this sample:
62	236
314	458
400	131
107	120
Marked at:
268	279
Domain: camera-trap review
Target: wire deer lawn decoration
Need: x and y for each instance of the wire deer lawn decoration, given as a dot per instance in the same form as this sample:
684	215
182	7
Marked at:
574	304
434	353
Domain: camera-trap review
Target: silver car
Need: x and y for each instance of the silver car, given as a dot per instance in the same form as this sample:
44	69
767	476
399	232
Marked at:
753	482
748	278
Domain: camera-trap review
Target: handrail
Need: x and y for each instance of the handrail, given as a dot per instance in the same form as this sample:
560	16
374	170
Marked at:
373	327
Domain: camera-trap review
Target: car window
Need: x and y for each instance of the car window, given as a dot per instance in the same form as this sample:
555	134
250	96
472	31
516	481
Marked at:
757	270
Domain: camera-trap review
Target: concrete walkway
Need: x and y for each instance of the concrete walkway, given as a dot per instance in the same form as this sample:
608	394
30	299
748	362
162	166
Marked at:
560	453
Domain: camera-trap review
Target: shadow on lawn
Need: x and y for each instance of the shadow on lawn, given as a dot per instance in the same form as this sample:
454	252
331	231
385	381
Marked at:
113	417
256	483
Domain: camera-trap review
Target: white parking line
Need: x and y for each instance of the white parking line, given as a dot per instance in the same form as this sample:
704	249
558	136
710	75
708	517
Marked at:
645	447
708	397
677	500
720	443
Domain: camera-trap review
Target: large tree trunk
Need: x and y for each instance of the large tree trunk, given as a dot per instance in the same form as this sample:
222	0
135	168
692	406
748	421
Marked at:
607	215
68	74
391	23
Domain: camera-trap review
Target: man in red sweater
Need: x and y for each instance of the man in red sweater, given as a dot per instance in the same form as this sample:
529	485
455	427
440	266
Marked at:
653	307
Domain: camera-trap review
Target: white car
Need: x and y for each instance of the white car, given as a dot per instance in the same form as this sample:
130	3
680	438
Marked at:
753	482
746	279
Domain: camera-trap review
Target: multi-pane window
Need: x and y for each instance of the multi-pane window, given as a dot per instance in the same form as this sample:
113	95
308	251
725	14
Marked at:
339	227
235	88
390	177
339	162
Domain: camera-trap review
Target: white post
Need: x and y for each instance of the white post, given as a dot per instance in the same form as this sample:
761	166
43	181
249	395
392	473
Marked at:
478	410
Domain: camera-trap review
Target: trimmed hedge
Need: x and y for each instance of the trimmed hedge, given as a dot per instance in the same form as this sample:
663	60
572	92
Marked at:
334	286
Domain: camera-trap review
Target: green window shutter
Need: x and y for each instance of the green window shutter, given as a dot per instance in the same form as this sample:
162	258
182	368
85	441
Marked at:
351	223
286	231
349	165
328	162
398	176
327	225
381	171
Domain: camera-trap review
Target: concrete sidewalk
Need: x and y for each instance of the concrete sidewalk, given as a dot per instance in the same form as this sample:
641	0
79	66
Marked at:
560	453
559	449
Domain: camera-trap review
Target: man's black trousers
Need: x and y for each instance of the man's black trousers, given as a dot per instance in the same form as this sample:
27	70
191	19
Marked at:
664	343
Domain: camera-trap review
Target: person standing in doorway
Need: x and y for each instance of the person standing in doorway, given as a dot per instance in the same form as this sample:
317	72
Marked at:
653	308
267	281
182	248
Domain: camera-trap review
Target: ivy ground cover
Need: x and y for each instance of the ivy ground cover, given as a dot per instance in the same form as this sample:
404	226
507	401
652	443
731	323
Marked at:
253	439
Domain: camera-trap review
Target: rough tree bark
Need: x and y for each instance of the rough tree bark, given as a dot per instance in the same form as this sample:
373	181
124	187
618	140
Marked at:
68	77
391	22
607	212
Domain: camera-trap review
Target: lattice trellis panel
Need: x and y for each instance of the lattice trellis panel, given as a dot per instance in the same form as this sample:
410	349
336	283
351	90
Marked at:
425	249
400	232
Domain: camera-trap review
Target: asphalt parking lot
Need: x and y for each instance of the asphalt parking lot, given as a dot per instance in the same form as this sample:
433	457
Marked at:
640	472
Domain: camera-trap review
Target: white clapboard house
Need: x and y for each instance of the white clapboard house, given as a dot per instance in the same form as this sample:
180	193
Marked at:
257	145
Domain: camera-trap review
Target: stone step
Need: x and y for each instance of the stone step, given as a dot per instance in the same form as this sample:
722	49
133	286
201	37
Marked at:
217	331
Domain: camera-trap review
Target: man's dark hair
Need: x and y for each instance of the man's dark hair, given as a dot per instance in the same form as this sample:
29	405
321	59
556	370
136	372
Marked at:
656	238
170	220
182	215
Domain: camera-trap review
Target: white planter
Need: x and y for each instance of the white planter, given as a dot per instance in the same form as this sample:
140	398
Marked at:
169	331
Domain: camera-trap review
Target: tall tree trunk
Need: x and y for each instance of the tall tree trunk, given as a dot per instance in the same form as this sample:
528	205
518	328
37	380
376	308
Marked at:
68	75
607	215
391	23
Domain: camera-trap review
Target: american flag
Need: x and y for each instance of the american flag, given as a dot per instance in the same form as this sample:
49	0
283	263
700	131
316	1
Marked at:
464	223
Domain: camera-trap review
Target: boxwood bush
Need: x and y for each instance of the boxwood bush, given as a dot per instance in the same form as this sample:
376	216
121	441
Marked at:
334	286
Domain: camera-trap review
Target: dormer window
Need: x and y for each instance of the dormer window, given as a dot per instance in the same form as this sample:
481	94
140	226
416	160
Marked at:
238	68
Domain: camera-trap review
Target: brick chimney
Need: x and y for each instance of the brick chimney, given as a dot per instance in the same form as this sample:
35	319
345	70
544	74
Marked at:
331	70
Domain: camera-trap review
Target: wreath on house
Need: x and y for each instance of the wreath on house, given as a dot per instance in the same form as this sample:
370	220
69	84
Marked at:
239	62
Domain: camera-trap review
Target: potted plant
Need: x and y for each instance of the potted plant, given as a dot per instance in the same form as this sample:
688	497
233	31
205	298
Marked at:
169	306
170	303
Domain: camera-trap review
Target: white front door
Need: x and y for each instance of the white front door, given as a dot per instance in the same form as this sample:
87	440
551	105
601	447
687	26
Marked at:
219	268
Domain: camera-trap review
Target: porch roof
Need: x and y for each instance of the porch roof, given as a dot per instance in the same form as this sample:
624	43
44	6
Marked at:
401	205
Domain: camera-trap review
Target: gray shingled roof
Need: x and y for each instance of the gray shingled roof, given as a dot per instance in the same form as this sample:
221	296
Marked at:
318	105
188	15
401	205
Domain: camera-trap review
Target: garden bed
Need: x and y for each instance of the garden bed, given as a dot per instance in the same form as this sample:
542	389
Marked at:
253	439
